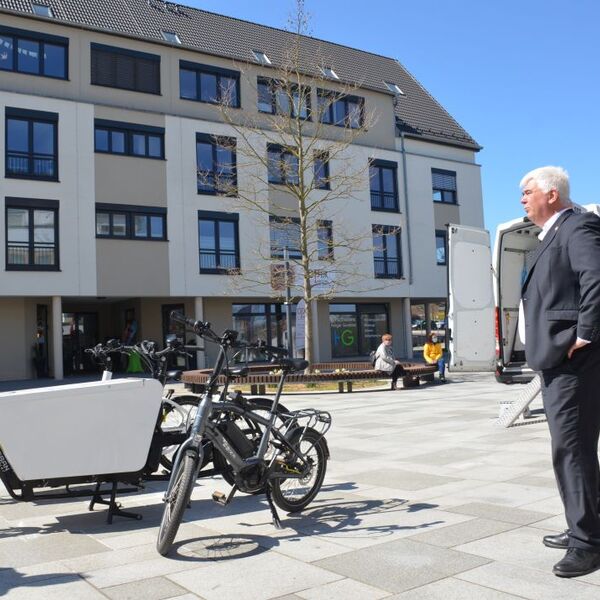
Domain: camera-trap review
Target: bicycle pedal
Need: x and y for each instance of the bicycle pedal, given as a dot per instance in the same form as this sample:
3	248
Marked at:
220	498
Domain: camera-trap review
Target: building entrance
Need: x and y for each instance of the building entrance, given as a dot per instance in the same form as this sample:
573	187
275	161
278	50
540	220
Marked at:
80	331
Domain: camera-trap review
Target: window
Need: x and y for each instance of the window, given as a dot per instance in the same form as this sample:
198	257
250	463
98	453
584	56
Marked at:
440	247
33	53
285	233
340	110
282	165
356	329
394	88
114	137
218	242
283	98
329	72
325	240
266	322
31	235
125	69
261	57
171	36
125	221
41	10
444	186
216	165
384	185
205	83
386	252
31	144
321	167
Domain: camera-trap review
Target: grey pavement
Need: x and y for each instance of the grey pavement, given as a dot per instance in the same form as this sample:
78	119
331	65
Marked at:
423	500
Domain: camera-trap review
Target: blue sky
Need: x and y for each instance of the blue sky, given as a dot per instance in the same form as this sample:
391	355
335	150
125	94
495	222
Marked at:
522	77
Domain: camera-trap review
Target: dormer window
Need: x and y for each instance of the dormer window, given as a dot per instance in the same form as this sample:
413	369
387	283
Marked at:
171	36
42	10
329	72
261	57
394	88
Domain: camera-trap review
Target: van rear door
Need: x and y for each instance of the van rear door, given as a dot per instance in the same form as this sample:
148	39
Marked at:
471	307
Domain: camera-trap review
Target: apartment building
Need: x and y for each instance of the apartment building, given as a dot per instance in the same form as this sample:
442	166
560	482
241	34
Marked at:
107	110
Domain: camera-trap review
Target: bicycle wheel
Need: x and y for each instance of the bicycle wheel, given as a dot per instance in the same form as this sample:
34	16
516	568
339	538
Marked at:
177	502
176	420
293	495
261	406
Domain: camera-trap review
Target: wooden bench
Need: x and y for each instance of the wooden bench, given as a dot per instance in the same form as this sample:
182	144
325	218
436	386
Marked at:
260	376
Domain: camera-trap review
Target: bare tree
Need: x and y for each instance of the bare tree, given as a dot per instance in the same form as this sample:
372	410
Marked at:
290	142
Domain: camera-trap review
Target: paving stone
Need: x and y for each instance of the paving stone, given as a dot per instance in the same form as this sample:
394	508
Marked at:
103	578
156	588
38	548
450	455
65	587
530	583
522	546
397	478
498	512
400	565
461	533
260	576
549	482
348	589
452	589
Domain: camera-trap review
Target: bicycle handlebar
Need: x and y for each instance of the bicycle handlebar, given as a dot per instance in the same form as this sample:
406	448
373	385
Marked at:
198	326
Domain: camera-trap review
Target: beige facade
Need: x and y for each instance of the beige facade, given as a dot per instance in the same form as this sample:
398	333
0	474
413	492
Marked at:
102	282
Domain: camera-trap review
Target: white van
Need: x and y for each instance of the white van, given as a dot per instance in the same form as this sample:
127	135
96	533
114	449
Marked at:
484	292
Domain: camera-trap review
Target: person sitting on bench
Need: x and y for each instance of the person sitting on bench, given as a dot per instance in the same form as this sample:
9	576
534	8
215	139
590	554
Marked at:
433	353
385	361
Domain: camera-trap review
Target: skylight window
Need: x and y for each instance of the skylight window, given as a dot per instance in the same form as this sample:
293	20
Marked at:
261	57
329	72
171	36
394	87
42	10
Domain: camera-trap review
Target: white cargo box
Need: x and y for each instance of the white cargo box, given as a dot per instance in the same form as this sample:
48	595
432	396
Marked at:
79	429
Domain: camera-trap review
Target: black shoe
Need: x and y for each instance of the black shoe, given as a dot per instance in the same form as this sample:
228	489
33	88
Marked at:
560	540
394	386
577	562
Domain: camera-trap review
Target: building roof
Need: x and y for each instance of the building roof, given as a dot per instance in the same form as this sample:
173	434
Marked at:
418	113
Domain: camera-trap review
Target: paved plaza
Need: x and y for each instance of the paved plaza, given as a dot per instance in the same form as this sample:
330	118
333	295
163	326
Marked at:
424	499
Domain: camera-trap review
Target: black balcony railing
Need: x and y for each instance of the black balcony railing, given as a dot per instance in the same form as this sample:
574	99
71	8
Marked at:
23	254
23	164
387	267
224	260
384	200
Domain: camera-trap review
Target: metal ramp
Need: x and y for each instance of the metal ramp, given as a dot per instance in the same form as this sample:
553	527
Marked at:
512	410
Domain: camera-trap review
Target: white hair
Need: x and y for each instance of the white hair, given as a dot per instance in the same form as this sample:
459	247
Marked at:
550	178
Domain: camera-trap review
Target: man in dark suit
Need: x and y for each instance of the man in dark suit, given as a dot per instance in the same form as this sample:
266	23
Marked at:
561	302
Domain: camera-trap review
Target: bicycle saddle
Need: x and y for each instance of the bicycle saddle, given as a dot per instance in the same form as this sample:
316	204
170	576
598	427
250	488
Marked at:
293	364
236	372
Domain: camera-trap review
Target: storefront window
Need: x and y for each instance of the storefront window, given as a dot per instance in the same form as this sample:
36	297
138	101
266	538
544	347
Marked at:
265	322
356	329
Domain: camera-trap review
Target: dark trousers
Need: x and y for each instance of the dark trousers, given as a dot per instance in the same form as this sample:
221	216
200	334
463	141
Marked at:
395	374
571	394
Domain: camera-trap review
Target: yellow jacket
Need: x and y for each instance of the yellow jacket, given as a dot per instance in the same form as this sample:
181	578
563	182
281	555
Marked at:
432	352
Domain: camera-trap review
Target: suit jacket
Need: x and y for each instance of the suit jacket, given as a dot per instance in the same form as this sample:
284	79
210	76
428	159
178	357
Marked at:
561	292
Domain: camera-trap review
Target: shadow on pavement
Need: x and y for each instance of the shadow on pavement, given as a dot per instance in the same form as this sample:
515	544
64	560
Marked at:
10	579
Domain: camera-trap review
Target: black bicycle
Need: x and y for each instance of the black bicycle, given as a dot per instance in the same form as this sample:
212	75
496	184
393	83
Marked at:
287	458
